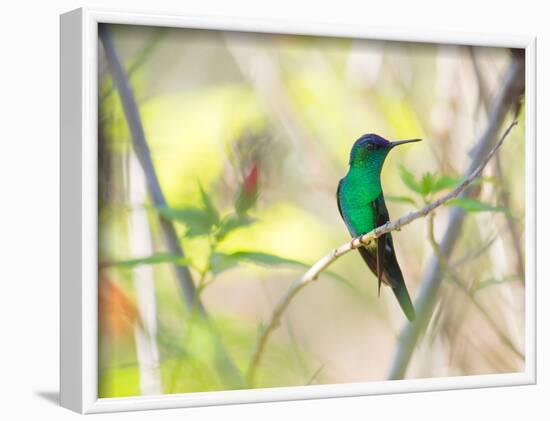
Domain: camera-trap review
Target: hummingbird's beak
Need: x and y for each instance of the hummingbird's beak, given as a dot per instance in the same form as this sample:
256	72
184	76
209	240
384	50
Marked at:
401	142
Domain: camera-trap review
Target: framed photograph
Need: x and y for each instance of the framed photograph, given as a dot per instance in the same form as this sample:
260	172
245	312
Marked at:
263	211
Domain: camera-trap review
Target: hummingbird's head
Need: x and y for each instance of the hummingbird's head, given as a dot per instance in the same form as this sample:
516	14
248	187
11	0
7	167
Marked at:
373	149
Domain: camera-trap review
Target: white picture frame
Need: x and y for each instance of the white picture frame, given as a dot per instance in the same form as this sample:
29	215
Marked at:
79	356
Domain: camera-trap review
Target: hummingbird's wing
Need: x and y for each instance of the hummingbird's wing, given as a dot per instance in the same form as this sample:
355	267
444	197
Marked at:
348	224
383	262
382	245
375	263
375	256
338	200
391	271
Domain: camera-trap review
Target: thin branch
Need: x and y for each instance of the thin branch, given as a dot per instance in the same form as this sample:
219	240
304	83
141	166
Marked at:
512	87
314	376
475	253
228	370
503	195
453	276
313	273
296	347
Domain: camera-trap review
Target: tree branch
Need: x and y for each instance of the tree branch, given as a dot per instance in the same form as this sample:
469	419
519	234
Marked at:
512	87
313	273
144	156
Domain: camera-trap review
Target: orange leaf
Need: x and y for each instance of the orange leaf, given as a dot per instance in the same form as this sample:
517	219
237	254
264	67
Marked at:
117	311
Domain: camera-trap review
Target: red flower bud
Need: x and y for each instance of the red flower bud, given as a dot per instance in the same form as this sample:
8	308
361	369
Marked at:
248	191
251	180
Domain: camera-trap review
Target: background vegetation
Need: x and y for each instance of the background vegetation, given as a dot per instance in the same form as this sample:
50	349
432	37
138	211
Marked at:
249	135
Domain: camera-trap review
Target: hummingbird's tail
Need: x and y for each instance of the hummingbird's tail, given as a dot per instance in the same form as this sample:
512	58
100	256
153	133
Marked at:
391	276
402	295
395	279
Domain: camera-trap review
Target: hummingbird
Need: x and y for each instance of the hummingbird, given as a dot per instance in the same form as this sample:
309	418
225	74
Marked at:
362	207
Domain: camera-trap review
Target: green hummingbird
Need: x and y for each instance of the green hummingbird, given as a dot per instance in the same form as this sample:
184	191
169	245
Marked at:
362	207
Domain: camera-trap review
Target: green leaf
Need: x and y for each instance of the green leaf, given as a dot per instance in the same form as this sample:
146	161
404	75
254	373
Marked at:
445	182
409	180
233	222
209	207
265	258
426	183
429	183
474	205
494	281
343	281
245	201
487	179
402	199
197	221
222	261
155	259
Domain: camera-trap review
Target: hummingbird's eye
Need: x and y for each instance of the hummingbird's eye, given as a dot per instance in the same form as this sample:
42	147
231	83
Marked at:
371	146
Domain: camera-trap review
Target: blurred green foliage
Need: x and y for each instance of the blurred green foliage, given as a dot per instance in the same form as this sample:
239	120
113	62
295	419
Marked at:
249	135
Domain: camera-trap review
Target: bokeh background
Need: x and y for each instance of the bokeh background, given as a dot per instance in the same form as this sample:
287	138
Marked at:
256	129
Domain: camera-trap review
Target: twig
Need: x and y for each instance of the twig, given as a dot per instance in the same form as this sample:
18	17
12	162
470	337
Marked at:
314	376
475	253
503	195
313	273
512	86
296	347
228	370
453	276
